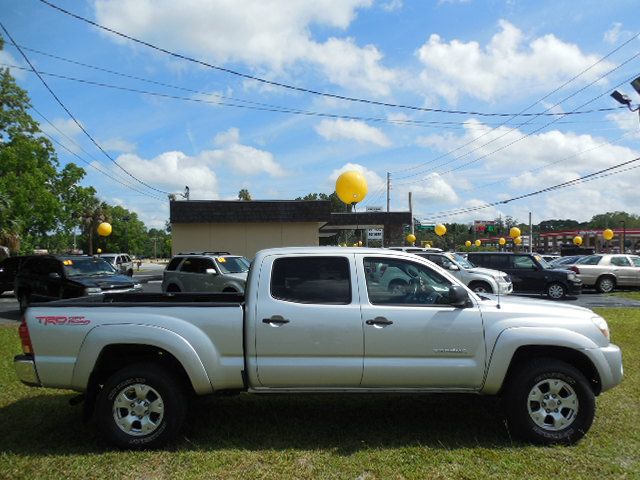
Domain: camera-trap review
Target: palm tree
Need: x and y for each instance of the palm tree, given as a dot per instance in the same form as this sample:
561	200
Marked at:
92	216
9	228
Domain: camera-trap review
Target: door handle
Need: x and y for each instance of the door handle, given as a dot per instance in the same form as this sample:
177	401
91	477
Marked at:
379	321
275	319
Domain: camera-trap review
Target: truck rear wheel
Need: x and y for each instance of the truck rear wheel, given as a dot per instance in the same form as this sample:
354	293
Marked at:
548	401
141	406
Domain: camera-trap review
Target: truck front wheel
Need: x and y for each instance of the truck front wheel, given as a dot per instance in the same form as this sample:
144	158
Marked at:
548	401
141	406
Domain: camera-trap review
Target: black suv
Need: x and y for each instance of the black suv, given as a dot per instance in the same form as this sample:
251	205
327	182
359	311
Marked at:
9	268
530	273
51	277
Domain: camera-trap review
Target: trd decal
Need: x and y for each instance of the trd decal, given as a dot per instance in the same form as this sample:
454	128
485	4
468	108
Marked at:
61	320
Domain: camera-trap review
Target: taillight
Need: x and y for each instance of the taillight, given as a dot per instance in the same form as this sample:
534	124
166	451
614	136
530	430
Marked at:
575	269
25	338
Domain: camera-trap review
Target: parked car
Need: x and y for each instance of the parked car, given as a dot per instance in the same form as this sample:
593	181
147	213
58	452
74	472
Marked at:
415	249
606	272
530	273
120	261
563	261
315	320
9	268
206	272
480	280
43	278
549	258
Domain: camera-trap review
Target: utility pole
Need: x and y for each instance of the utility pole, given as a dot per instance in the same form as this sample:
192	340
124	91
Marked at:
413	226
155	251
530	234
388	189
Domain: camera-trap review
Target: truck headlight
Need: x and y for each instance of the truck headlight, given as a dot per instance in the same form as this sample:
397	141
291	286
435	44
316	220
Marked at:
137	286
601	323
92	291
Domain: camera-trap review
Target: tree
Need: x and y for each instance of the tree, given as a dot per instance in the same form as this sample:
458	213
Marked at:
94	213
244	195
337	205
614	220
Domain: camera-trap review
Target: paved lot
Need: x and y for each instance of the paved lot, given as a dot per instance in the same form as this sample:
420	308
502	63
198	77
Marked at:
9	313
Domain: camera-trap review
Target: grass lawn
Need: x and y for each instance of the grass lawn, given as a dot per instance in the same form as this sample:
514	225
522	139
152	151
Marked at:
632	294
353	437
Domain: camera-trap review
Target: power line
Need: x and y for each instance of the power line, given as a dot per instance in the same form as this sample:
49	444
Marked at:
503	147
272	82
73	117
258	105
115	179
569	183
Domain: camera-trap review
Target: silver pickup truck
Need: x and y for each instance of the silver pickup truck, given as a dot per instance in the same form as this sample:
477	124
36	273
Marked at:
318	320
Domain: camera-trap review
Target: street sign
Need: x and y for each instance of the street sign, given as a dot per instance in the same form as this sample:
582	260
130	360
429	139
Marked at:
373	209
375	233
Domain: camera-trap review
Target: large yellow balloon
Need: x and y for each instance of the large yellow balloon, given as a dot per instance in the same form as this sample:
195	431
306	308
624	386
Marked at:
440	229
104	229
517	240
411	238
99	250
514	232
467	243
607	234
478	243
577	240
502	241
351	187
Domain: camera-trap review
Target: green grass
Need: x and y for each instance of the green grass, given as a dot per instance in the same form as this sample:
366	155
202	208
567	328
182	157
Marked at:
631	294
365	437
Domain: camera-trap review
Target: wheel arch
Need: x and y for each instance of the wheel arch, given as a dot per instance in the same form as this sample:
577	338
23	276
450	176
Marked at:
514	345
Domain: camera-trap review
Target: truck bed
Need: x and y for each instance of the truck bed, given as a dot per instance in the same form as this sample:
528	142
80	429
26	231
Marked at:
150	299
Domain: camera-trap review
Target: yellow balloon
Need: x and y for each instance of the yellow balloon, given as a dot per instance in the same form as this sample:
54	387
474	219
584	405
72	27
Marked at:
440	229
411	238
577	240
99	250
359	243
607	234
517	240
502	241
351	187
104	229
478	243
467	243
514	232
355	244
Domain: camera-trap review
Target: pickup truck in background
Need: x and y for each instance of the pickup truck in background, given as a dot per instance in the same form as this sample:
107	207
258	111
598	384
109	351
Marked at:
316	320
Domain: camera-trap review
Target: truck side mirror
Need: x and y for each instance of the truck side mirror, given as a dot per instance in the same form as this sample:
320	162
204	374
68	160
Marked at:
211	271
458	296
453	266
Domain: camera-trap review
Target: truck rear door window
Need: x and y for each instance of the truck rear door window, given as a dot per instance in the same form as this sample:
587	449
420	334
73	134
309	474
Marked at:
319	280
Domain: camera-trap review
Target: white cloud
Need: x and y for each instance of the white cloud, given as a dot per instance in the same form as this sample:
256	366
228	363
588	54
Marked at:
352	130
505	66
7	58
265	35
432	189
173	170
62	128
615	33
117	145
392	5
626	121
375	183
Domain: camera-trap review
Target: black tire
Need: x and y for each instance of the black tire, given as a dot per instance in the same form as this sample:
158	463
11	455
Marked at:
481	287
23	300
546	421
140	383
173	289
556	291
130	273
606	284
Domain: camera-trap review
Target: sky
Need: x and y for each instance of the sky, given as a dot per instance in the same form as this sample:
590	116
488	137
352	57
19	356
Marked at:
284	95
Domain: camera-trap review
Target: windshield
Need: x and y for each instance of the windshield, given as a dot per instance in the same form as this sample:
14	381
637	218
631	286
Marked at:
74	267
460	260
111	260
233	264
543	263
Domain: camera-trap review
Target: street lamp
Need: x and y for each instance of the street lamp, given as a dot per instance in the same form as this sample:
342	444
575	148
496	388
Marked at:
624	99
623	237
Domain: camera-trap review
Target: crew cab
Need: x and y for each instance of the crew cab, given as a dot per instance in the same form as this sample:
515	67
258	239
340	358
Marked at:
316	320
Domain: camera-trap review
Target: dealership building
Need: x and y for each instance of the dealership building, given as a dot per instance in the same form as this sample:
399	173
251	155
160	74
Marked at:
244	227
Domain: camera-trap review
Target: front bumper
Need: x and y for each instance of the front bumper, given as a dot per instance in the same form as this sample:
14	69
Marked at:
574	287
25	368
608	361
505	288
